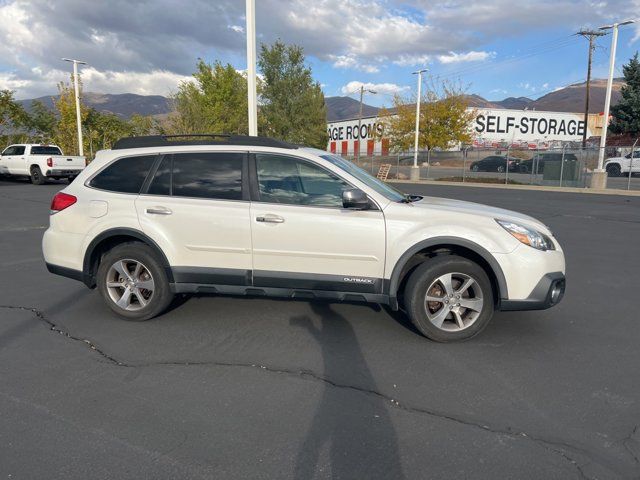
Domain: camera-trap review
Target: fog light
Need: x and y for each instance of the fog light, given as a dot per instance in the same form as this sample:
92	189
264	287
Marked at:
557	290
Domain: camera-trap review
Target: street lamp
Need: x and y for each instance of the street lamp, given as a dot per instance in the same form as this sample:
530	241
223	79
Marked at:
252	97
362	90
77	94
599	176
415	170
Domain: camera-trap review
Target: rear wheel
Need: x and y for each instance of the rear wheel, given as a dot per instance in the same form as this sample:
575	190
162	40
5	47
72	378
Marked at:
449	298
613	170
36	176
133	282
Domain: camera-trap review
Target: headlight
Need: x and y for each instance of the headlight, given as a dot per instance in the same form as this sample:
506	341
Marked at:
528	236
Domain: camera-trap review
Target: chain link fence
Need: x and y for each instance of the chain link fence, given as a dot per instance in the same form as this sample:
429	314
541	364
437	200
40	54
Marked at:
568	166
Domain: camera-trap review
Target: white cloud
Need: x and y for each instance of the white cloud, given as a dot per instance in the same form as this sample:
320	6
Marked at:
236	28
472	56
406	60
351	62
383	88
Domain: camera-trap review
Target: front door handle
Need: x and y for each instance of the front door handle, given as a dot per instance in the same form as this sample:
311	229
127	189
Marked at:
159	211
270	218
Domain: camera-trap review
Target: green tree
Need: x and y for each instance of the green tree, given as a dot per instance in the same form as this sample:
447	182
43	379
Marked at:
292	103
215	103
41	122
626	114
12	116
66	132
444	119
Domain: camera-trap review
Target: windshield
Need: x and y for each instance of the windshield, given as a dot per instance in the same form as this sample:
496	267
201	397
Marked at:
45	150
378	185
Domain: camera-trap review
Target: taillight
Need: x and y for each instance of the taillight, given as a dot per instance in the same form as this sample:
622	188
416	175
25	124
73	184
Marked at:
49	162
61	201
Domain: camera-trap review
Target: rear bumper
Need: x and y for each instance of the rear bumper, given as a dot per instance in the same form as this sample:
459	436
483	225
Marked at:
547	293
62	172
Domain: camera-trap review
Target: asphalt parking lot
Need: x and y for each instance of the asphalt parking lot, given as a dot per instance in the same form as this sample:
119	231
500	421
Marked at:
224	387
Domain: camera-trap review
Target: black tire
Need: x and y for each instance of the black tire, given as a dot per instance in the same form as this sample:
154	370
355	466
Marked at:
161	295
500	169
613	170
475	168
36	176
524	169
423	278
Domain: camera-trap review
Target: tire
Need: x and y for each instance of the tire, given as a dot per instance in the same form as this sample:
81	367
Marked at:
500	169
36	176
459	323
475	168
139	304
524	169
613	170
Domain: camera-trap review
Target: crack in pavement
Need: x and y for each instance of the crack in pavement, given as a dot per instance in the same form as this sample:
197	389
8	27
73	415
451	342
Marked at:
549	445
629	438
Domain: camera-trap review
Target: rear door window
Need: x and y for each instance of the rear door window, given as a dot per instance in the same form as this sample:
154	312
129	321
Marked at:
208	175
125	175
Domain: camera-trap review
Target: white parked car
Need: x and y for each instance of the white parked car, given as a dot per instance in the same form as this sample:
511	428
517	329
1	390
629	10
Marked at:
618	166
157	216
39	162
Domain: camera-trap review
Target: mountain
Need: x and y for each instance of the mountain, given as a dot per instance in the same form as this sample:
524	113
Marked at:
344	108
571	98
123	105
515	103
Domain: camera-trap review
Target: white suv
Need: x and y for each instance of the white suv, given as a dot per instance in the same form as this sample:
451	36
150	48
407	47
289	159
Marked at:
222	214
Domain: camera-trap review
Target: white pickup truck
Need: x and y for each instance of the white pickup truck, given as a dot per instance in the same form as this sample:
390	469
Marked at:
40	162
617	166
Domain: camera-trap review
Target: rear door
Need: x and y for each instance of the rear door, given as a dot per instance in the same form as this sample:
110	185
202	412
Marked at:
197	210
302	236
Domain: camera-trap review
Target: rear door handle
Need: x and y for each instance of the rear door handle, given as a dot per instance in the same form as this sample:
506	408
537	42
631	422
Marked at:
159	211
270	218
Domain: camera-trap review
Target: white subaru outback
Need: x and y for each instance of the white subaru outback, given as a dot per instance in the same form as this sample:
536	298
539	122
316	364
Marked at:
161	215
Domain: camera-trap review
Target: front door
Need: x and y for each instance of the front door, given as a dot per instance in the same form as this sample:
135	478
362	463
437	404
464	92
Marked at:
302	236
196	209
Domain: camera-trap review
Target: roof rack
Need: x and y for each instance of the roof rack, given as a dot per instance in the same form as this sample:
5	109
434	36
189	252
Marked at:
199	139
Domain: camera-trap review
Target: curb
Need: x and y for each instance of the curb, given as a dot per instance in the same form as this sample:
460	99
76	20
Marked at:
543	188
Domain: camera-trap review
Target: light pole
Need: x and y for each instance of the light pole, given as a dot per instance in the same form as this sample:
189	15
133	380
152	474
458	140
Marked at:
362	90
599	176
77	95
415	170
252	97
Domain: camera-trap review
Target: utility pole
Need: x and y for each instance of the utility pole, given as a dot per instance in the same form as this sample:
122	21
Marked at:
252	97
415	170
599	175
76	90
362	90
590	35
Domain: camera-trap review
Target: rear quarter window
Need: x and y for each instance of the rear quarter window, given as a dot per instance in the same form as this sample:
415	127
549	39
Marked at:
125	175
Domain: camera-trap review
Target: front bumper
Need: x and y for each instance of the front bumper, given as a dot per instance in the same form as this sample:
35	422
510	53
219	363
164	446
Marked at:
547	293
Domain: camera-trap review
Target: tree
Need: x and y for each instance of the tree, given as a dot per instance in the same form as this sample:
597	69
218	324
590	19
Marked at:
215	103
66	131
41	121
444	119
626	114
292	103
12	115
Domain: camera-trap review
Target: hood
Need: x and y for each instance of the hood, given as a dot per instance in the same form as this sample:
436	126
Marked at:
478	209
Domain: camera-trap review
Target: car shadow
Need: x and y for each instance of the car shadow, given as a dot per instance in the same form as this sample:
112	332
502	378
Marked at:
362	443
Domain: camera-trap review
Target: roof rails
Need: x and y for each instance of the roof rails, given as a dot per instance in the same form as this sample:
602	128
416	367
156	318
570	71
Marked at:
199	139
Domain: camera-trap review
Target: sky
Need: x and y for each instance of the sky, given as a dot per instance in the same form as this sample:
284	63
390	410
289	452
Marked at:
494	48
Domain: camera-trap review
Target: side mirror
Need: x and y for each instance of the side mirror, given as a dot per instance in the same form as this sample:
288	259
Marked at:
355	199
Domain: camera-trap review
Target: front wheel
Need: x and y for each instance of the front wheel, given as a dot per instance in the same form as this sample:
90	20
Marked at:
133	282
36	176
475	168
449	298
500	169
614	170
